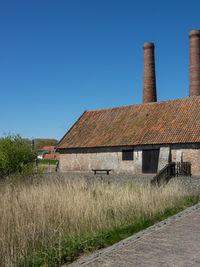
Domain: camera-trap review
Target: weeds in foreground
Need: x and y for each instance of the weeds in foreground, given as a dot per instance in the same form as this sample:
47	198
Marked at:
53	221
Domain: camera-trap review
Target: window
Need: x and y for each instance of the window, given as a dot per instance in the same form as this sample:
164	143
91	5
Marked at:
127	154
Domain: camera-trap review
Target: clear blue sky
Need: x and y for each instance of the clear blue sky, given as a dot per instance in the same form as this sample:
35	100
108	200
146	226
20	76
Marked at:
59	58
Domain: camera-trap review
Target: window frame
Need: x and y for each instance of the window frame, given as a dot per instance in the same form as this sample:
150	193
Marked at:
127	154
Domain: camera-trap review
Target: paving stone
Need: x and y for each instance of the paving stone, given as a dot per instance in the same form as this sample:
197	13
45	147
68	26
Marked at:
173	242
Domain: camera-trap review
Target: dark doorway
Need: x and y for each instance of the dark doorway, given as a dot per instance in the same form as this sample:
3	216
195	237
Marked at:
150	160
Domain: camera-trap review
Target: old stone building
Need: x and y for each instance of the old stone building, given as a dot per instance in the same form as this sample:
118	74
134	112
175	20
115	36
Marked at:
140	138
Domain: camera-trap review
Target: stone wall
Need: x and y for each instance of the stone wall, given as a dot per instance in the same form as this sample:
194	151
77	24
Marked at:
102	158
84	160
188	154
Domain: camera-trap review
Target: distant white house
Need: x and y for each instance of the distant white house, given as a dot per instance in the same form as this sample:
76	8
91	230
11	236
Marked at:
48	152
41	153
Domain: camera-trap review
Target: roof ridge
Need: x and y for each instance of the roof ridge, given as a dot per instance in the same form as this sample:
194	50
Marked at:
165	122
152	103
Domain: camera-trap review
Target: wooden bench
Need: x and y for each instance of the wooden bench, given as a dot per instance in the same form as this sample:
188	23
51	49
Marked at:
104	170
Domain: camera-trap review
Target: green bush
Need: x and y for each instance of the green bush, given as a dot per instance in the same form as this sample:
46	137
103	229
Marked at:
16	156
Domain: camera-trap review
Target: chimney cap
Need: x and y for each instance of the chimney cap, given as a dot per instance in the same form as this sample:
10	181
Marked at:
194	32
148	45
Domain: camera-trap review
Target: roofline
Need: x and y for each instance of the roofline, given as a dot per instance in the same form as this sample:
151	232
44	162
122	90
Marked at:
166	144
152	103
70	129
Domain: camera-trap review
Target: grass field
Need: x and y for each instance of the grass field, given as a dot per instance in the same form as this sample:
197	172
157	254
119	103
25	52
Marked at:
47	222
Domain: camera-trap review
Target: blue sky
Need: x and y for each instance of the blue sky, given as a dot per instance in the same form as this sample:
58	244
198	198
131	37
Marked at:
60	58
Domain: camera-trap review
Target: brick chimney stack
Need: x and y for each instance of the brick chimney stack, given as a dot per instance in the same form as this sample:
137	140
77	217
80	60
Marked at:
194	84
149	76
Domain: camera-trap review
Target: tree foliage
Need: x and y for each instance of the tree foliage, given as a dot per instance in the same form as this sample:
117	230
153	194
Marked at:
16	156
41	142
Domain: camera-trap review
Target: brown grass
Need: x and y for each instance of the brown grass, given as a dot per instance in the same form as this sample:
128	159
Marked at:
34	215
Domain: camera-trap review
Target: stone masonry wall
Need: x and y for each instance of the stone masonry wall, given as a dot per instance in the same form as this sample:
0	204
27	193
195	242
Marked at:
84	160
110	158
191	155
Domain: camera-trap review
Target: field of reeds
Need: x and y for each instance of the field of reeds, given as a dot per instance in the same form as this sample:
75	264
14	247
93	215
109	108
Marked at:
47	222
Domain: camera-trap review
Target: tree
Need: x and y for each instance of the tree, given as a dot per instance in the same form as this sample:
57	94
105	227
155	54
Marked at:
16	155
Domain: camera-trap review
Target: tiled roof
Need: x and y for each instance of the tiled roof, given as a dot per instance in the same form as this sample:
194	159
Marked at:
49	148
174	121
51	156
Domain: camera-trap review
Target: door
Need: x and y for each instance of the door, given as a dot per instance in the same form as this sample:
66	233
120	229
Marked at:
150	160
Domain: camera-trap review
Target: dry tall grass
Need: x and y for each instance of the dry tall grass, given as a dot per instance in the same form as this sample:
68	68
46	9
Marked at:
34	215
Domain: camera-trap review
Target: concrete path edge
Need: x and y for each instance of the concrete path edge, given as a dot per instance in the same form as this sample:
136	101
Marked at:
120	244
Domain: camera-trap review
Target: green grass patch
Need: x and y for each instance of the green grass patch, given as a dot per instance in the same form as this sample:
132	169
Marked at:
69	249
48	161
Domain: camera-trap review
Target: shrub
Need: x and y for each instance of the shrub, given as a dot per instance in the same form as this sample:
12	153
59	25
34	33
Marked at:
16	156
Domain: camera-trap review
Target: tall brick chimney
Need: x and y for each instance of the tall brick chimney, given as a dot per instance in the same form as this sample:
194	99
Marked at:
194	84
149	76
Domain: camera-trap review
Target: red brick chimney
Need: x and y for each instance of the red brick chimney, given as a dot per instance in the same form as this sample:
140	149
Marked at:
194	86
149	76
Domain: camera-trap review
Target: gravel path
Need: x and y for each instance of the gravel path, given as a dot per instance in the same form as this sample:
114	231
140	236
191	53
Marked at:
191	184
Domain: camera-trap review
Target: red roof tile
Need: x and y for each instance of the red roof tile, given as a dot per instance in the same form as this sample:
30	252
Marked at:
49	148
174	121
51	156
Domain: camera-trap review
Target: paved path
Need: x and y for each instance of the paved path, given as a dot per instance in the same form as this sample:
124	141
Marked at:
173	242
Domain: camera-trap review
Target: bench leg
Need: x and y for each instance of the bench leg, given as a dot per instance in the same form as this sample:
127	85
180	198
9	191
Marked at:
107	172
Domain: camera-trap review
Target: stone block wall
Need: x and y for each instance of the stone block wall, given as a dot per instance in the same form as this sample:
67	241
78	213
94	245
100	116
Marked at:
188	154
84	160
80	160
